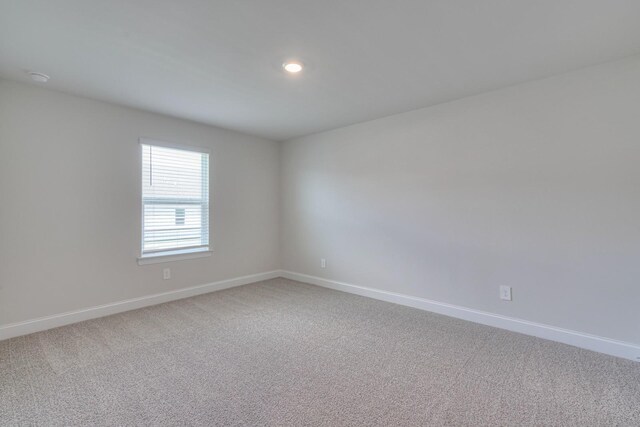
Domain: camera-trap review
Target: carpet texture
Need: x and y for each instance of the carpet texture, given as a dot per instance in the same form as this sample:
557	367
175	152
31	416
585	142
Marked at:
280	352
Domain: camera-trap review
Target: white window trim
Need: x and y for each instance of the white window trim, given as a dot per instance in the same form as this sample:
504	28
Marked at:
151	141
174	256
178	254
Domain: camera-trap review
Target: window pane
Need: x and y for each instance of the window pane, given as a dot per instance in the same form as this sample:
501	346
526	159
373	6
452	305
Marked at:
175	197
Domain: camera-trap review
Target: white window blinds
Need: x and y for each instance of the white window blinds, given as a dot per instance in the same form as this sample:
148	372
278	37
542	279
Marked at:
175	200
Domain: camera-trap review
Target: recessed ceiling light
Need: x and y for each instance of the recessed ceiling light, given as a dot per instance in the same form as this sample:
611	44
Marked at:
292	67
38	77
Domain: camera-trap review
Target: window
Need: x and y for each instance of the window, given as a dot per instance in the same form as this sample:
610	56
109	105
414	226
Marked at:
175	200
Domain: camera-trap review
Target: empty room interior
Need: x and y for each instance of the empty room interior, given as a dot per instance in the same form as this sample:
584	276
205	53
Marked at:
319	213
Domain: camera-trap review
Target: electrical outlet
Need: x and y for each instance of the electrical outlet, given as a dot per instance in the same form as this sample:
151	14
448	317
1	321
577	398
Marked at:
505	293
166	274
323	263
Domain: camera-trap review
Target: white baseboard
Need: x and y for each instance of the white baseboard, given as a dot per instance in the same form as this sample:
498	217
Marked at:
43	323
578	339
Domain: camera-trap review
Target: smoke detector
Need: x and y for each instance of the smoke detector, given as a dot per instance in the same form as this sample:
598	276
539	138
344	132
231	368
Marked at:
38	77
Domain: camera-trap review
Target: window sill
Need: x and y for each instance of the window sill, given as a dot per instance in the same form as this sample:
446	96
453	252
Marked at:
174	256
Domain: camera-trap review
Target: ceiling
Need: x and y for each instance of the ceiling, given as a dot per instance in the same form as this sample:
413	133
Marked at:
219	61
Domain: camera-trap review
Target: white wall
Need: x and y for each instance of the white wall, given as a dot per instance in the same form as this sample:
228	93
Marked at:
70	203
535	186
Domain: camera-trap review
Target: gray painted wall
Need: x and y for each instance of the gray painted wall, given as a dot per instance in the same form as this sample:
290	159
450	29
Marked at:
70	203
535	186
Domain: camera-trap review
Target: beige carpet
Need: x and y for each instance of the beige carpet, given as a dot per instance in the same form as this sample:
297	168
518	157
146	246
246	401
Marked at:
285	353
